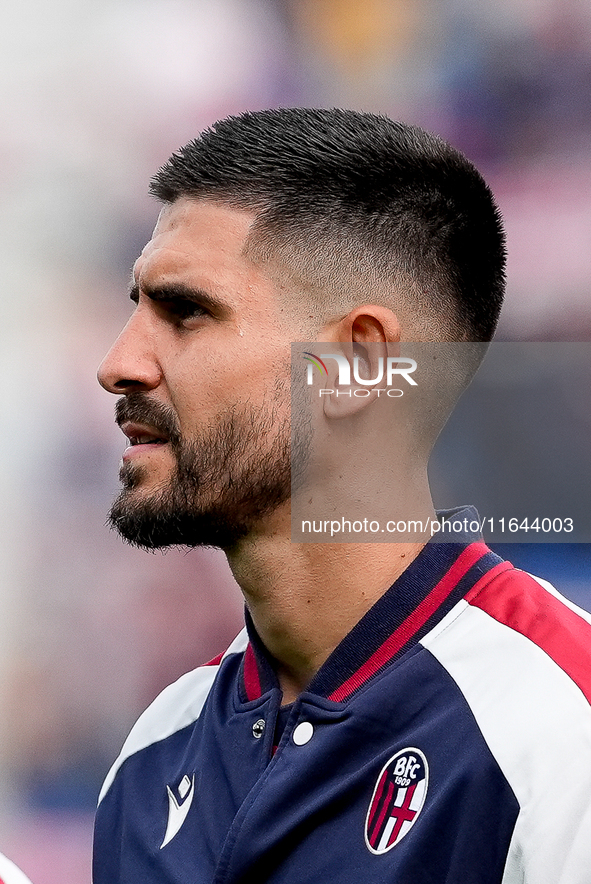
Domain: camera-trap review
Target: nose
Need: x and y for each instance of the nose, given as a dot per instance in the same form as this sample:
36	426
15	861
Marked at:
131	363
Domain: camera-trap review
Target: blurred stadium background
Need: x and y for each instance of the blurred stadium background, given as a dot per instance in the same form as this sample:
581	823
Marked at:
95	97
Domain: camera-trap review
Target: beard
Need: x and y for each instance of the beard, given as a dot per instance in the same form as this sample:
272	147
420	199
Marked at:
223	485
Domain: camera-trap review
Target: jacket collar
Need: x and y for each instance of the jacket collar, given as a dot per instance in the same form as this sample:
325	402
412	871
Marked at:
432	584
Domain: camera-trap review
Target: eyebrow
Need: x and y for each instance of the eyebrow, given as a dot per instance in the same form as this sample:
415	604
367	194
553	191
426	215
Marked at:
177	291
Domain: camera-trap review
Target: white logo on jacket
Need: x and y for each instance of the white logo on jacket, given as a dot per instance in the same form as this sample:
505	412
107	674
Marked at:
178	810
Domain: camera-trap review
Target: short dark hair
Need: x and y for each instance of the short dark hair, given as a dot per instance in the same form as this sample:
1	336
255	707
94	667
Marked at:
412	205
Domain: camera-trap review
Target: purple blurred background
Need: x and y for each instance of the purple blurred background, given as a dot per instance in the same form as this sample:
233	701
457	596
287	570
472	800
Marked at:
95	97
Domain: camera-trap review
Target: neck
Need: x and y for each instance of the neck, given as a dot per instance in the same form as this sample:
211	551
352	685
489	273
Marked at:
305	598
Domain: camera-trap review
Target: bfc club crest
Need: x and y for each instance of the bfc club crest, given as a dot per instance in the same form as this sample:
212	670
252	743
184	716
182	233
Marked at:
397	800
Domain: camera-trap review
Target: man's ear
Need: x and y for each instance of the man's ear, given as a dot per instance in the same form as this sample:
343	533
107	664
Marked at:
363	336
369	323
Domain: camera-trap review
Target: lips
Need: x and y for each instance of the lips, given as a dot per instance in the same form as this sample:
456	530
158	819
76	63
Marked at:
143	434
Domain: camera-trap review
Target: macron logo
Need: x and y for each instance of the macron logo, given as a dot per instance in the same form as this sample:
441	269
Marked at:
178	809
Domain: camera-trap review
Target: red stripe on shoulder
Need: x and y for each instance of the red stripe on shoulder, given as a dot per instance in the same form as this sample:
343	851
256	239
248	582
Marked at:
518	601
215	662
466	560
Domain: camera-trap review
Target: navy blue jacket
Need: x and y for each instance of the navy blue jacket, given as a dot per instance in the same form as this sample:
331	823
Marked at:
447	740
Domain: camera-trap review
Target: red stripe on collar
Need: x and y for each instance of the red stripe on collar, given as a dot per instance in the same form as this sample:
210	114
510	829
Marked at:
252	681
429	605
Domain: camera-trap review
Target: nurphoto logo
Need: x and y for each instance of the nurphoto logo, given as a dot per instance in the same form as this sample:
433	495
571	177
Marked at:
392	369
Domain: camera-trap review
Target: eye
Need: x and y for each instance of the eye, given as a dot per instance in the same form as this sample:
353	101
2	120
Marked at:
181	309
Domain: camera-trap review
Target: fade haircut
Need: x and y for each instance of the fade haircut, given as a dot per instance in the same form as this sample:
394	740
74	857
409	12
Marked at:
357	199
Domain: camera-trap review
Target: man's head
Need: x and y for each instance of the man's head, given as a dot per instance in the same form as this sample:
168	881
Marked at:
279	226
356	208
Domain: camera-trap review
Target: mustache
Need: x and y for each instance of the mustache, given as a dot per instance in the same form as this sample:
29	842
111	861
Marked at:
139	408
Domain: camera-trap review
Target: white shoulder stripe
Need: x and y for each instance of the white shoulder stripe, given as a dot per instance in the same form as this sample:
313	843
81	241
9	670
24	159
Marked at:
9	874
178	705
537	724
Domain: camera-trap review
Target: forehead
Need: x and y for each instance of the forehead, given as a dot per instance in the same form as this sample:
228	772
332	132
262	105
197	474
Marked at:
200	243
